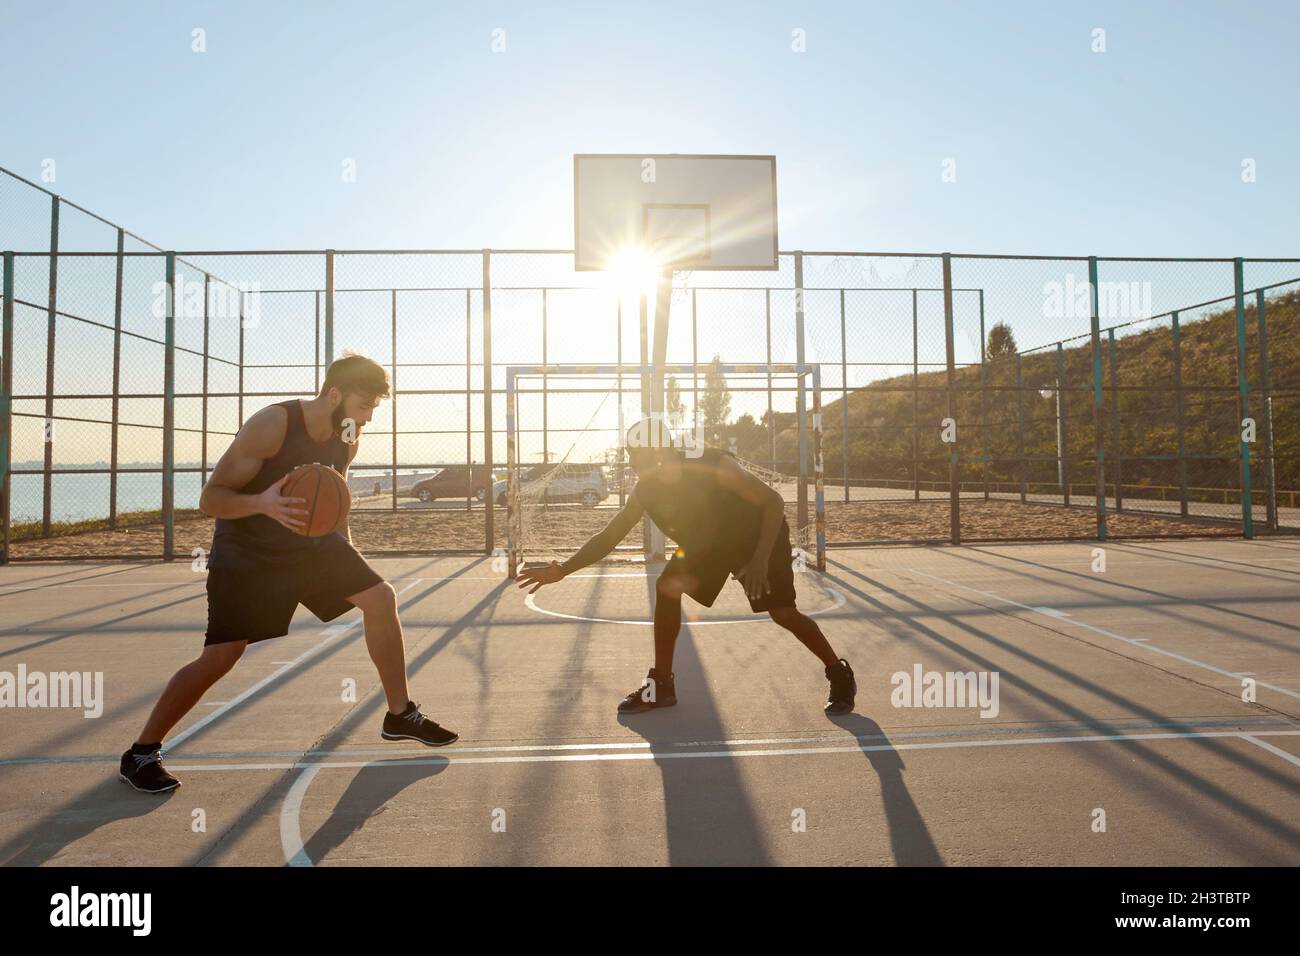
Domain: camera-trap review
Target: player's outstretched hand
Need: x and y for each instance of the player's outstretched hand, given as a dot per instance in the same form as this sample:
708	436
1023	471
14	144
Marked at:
538	575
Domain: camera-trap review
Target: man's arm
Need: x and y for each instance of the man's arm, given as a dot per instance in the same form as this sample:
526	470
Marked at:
597	547
605	540
257	440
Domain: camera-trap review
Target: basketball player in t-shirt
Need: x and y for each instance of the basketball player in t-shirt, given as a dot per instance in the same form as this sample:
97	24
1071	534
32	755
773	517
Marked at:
261	567
725	521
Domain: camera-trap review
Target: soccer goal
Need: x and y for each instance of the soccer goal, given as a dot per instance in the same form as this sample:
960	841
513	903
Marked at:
567	470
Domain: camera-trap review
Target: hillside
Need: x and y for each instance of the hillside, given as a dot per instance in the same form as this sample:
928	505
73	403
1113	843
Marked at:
879	439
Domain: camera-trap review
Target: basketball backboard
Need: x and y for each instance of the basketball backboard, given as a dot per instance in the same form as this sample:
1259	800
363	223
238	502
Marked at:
686	211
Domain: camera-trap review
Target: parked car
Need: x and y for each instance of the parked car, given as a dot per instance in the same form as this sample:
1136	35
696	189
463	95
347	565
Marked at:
585	484
454	482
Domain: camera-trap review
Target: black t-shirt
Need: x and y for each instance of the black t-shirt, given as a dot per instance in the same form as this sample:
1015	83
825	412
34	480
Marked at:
707	521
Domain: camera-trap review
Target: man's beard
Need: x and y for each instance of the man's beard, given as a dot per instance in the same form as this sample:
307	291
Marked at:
336	419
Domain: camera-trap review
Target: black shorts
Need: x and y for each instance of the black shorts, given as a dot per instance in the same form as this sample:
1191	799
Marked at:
255	604
711	573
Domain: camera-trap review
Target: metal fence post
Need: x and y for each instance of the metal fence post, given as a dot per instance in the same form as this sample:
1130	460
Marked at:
393	365
1020	427
1178	410
844	398
984	412
1098	414
203	433
512	479
801	506
546	445
489	507
329	307
240	398
695	364
1247	518
1116	444
954	472
169	413
771	415
6	406
51	315
117	382
1062	430
916	405
316	343
818	468
1266	404
618	386
469	403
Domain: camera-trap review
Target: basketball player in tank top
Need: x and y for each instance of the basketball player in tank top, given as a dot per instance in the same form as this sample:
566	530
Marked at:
725	522
260	568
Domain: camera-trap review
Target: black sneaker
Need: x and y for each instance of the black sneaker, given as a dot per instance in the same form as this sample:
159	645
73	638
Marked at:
844	688
655	691
146	773
413	725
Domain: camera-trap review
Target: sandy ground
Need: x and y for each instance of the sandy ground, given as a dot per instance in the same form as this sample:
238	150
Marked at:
451	527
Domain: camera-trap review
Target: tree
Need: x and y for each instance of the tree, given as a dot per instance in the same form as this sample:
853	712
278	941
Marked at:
715	403
1001	341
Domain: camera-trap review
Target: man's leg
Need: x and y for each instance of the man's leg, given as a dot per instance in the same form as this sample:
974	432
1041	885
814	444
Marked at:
659	688
384	641
844	686
668	619
806	629
187	687
404	721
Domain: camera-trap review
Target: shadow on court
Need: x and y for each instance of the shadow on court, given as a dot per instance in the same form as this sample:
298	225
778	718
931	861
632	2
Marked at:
1169	784
374	786
909	837
366	798
104	804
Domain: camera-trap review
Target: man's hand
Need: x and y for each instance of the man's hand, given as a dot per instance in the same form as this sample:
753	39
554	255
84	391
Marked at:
753	577
283	510
539	575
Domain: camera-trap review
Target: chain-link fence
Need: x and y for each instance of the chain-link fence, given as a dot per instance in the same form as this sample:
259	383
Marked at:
965	398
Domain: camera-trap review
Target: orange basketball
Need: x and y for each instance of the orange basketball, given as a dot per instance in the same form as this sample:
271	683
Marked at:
326	493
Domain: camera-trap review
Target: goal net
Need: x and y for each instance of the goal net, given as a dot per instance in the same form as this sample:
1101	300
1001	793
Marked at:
568	473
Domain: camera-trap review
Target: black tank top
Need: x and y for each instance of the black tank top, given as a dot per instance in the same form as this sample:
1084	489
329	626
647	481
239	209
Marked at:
706	520
258	540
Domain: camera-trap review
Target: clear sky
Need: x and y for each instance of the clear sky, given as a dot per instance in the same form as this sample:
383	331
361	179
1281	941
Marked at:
1137	150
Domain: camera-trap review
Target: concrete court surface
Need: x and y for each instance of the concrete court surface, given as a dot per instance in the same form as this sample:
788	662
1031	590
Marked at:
1119	692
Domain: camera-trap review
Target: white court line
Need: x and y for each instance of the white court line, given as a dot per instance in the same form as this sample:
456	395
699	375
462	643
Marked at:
531	603
295	853
1142	642
300	764
1239	725
202	581
1289	757
332	633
